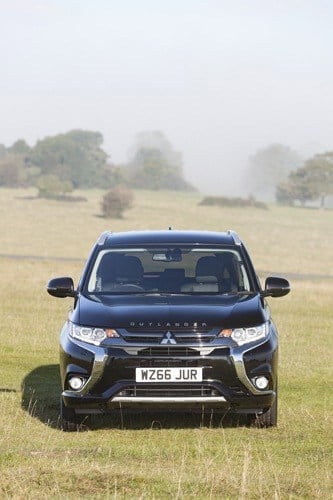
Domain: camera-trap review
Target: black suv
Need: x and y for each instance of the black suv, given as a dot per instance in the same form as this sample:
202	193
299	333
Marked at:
169	320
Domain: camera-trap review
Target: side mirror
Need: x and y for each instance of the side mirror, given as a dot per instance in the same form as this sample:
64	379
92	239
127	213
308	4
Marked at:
276	287
61	287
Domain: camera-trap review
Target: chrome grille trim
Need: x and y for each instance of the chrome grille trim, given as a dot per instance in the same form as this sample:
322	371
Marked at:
169	351
181	335
153	399
202	351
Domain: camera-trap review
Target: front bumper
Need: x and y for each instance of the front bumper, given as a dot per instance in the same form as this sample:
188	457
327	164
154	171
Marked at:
227	377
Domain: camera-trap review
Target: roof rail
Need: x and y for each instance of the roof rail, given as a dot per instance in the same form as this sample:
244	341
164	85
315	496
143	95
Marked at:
101	240
234	236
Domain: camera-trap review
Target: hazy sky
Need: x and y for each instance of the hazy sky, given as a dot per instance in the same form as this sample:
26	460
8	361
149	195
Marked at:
221	78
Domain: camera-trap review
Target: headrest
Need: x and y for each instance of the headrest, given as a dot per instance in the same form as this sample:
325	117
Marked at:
129	269
207	266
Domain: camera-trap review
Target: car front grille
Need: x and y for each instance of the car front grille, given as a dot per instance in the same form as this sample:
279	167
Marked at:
180	336
169	351
169	391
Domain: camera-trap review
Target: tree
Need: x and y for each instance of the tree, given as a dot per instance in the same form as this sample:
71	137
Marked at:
15	166
3	151
113	175
318	175
268	168
290	191
156	139
50	186
155	165
20	147
311	181
76	157
15	172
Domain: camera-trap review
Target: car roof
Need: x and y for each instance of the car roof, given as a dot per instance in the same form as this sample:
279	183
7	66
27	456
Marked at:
110	239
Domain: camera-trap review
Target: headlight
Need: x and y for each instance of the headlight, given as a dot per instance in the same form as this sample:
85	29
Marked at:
92	335
245	335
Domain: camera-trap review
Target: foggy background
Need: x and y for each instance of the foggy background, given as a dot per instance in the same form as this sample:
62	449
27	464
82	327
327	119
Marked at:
221	79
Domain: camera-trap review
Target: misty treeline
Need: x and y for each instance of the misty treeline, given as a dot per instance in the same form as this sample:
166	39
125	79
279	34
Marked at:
278	173
59	164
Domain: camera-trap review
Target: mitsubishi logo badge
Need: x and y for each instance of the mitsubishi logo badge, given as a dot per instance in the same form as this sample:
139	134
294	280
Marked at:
168	339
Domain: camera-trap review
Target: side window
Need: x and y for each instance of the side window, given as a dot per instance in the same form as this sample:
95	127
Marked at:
104	271
244	280
232	272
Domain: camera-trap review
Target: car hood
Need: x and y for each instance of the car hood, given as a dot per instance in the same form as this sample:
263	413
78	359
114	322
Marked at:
117	311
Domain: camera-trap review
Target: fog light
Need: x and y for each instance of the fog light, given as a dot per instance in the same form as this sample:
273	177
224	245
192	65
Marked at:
76	383
261	382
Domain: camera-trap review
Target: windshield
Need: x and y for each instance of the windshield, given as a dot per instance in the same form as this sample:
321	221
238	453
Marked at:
169	270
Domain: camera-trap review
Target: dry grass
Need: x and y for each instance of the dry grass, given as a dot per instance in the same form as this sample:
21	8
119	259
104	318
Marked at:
281	239
161	456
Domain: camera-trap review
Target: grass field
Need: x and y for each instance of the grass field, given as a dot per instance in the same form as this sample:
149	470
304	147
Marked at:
158	456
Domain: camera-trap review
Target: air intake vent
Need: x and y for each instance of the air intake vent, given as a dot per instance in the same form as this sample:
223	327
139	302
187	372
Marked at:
169	351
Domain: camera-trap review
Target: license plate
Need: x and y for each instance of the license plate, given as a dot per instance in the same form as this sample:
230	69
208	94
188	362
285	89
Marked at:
168	374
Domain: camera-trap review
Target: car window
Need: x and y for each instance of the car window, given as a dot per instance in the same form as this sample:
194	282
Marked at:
168	270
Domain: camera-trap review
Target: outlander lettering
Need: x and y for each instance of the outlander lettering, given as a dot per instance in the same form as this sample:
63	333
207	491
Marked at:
177	324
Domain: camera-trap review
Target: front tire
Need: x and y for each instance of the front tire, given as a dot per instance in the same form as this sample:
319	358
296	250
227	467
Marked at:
267	419
69	420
